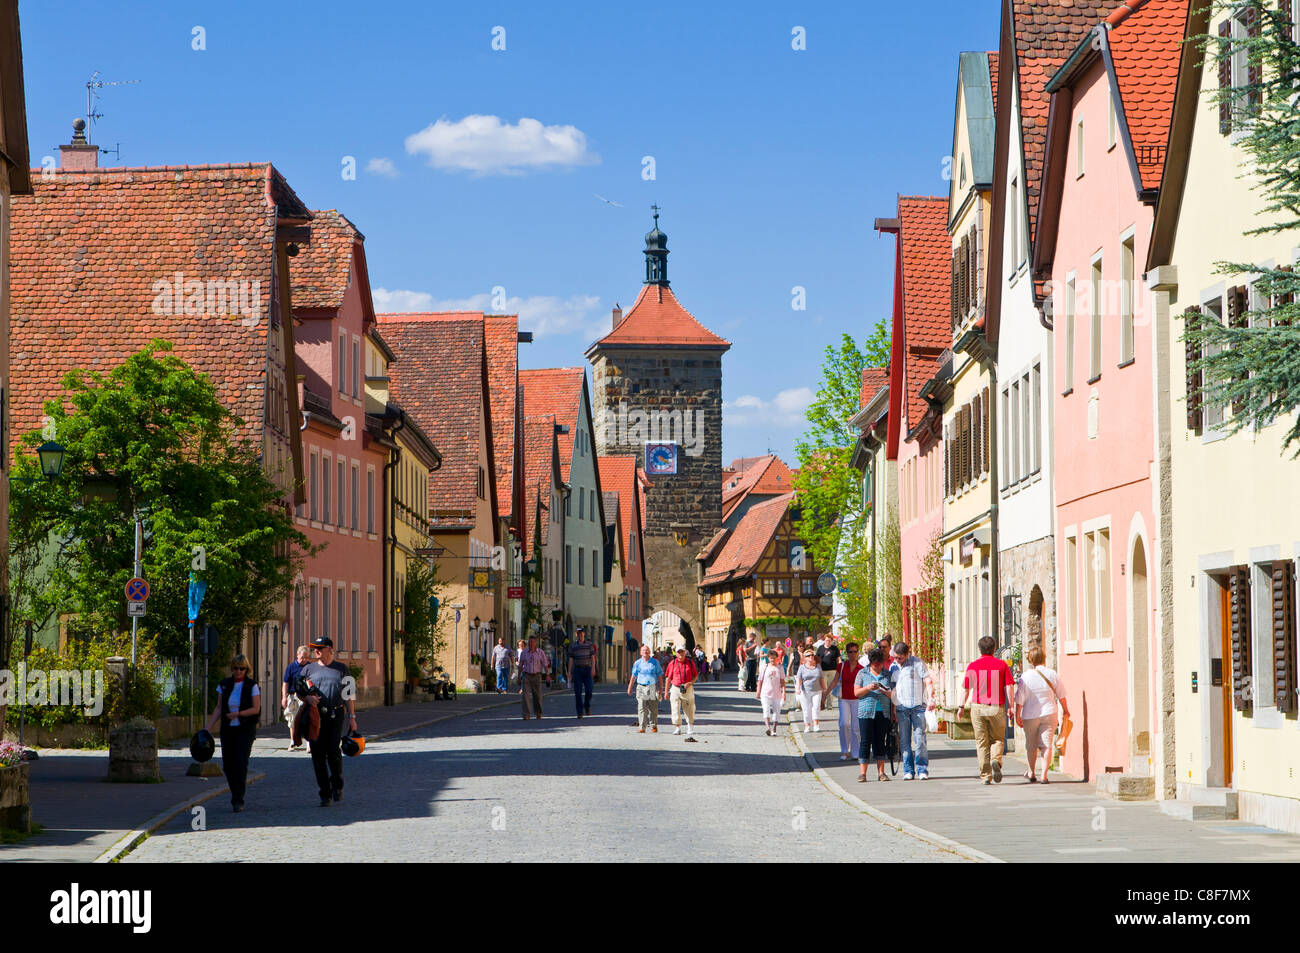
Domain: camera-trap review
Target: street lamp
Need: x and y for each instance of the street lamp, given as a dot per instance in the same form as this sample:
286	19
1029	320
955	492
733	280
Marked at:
51	454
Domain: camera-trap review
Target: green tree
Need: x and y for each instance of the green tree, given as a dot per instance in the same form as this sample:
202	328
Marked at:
150	438
890	569
827	486
1251	363
426	636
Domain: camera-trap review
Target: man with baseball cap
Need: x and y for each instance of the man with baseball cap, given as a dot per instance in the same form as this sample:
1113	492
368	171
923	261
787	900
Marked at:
680	676
328	686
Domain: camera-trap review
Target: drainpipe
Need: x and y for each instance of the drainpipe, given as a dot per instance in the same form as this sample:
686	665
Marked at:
389	563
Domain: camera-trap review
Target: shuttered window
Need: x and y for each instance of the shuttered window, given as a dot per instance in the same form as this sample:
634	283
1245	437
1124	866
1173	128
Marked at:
977	439
1284	635
1254	97
953	307
1239	613
1225	77
1238	317
1193	354
985	430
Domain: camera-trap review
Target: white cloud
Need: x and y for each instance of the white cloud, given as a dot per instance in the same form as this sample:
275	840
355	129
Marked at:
786	409
485	145
382	166
542	314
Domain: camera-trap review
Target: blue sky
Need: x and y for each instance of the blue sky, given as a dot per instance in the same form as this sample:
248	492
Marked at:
770	163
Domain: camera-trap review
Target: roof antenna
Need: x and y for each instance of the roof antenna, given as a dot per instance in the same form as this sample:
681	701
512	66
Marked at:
93	84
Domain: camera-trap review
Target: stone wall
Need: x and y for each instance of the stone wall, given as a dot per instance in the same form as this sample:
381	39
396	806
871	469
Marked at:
1020	569
675	395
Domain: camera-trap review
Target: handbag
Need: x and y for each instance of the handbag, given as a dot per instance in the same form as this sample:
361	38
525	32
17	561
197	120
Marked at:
1063	731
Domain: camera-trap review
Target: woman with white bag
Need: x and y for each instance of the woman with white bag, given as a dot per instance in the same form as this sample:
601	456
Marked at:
1037	695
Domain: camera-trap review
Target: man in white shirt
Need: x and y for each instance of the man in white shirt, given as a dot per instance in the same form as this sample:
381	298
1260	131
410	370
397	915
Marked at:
913	690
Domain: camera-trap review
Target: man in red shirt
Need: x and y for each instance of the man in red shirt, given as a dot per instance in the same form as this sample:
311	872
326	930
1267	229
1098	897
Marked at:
991	688
680	676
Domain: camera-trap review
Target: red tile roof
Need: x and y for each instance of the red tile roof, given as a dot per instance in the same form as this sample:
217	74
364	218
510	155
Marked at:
1046	33
744	547
438	378
539	447
768	476
618	475
502	336
657	318
873	378
557	391
1146	43
323	269
993	79
86	252
927	265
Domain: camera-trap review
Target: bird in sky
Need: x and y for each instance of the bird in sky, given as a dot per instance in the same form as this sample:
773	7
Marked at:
606	201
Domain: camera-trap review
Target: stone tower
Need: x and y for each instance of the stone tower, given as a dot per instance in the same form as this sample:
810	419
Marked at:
657	378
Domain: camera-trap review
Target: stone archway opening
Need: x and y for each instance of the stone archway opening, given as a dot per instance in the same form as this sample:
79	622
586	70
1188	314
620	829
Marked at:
1034	621
1139	635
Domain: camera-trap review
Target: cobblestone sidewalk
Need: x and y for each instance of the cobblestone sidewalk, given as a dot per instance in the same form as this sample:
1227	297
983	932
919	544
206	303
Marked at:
83	815
1018	821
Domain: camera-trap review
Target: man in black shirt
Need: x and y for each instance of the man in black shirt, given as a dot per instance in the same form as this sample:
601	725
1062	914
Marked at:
582	656
829	658
328	686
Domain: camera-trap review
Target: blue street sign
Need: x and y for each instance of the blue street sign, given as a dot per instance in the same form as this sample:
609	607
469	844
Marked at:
137	590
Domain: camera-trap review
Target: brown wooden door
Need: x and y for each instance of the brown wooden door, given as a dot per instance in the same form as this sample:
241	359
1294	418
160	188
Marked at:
1225	637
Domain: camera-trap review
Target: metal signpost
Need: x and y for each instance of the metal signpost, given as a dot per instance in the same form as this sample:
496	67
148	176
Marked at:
137	593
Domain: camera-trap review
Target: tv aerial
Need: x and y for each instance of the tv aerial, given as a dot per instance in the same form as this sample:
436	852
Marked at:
93	85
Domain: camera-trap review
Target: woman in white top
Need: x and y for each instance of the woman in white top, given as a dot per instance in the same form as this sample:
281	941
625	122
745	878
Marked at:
1037	694
810	685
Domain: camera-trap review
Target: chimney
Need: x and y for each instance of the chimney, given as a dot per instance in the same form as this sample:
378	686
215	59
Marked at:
78	155
617	314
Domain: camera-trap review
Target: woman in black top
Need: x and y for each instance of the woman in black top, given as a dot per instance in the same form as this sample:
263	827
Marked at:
239	702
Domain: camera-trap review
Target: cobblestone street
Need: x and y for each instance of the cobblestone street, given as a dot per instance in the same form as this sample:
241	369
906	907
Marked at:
492	787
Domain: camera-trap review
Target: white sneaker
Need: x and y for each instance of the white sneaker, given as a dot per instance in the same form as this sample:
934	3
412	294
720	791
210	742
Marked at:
907	775
677	730
816	727
805	729
923	776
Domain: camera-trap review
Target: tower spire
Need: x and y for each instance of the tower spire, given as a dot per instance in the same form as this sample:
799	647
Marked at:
656	254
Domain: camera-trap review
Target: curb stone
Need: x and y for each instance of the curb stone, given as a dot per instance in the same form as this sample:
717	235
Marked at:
133	839
920	833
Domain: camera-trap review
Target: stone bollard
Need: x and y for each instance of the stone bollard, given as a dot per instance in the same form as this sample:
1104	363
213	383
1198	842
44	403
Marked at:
15	798
133	754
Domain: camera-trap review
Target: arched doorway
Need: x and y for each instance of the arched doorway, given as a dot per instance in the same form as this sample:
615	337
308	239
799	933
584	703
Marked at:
1034	622
1140	671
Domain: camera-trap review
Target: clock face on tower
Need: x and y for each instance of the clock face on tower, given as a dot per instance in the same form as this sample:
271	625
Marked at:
661	459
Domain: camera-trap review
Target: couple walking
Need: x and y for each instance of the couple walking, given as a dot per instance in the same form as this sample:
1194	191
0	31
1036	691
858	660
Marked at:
648	679
991	692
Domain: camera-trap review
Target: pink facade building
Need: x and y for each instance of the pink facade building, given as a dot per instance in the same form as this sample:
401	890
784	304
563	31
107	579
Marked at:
1107	129
341	589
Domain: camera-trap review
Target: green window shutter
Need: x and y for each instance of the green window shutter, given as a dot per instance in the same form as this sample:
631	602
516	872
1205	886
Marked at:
1239	605
1284	650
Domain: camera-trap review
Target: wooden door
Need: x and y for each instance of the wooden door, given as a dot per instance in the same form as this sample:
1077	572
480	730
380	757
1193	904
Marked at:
1225	647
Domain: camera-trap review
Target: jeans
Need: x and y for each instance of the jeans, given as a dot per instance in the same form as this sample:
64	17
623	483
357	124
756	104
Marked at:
582	683
326	758
911	738
503	679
